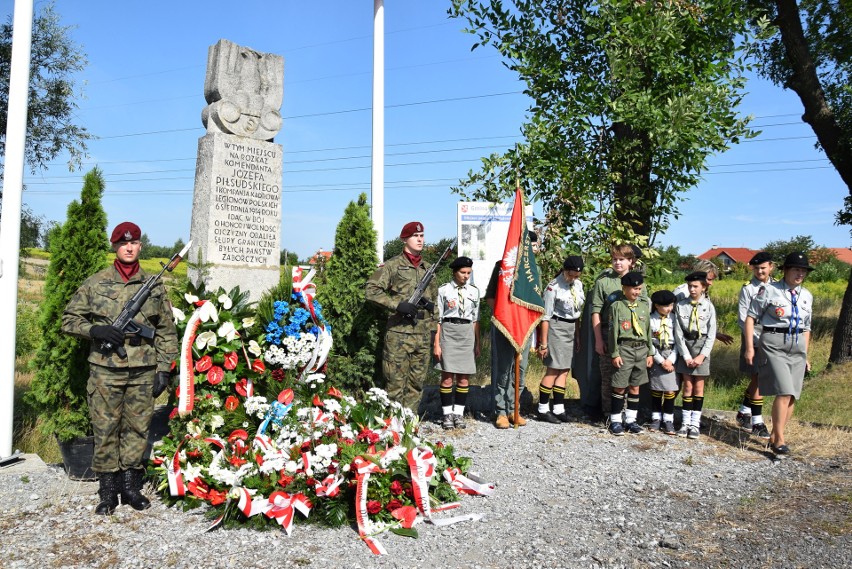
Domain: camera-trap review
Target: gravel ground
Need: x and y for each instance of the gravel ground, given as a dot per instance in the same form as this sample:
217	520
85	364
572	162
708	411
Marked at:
567	496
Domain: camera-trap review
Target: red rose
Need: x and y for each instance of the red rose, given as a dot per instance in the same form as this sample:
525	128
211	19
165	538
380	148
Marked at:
257	366
396	488
279	375
393	505
231	360
310	481
408	490
374	507
231	403
203	364
215	375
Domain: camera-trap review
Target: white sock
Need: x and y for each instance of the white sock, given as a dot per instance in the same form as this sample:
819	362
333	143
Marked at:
458	410
656	416
668	417
696	419
745	409
615	418
559	409
448	410
543	407
756	420
630	416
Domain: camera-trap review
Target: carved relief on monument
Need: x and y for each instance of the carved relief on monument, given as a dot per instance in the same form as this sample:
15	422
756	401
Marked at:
244	90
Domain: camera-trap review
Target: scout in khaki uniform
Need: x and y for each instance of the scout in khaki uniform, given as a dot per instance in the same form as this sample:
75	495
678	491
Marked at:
457	341
695	334
405	360
563	305
630	350
785	310
121	391
750	415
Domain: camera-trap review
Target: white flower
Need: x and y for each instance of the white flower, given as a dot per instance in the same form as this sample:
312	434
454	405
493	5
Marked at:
190	298
193	429
332	405
326	451
178	314
346	467
226	302
205	339
291	466
227	331
191	471
253	347
248	323
208	312
216	421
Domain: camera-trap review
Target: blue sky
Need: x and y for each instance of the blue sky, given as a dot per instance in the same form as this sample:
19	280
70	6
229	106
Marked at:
446	107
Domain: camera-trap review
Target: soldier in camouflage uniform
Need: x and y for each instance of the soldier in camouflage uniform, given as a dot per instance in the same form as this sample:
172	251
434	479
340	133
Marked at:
407	351
121	391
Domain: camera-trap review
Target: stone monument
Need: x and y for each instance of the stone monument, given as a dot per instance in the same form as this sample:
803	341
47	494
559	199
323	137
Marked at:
236	207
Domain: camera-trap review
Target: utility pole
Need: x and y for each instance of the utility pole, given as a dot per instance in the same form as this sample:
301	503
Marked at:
378	164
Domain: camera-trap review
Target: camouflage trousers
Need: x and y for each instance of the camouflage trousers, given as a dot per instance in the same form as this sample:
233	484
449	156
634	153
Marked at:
405	363
120	408
503	371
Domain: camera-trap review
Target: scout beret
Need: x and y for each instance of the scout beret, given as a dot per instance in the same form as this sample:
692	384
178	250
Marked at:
410	229
663	297
696	276
633	278
573	263
760	258
461	263
799	260
125	231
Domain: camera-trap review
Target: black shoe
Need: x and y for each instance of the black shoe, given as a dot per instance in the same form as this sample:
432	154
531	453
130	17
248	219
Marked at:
668	428
654	425
547	417
744	420
760	430
131	493
616	429
780	452
448	422
563	417
108	490
634	428
459	422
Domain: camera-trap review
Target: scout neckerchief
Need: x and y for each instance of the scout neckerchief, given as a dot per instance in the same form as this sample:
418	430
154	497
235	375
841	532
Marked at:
665	333
634	319
693	317
573	290
794	315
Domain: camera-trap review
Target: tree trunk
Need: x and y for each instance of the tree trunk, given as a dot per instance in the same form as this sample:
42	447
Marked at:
804	81
634	193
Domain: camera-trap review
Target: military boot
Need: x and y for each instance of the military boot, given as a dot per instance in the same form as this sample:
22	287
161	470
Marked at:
131	491
108	492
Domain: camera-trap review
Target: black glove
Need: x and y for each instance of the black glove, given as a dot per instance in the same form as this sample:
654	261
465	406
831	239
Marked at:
406	309
426	305
162	381
109	334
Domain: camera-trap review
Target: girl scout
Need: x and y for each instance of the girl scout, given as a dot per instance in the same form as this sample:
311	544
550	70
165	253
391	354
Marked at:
457	341
695	334
563	305
784	309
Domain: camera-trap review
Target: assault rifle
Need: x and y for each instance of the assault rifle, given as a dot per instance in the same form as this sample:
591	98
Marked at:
125	320
420	289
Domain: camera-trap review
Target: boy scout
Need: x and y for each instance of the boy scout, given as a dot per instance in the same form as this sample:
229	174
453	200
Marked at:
121	391
630	348
407	349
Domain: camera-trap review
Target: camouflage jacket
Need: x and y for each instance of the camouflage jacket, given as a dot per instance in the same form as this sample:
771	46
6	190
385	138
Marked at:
99	301
395	282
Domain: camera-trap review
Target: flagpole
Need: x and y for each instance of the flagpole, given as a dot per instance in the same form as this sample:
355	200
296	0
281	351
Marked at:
517	388
377	185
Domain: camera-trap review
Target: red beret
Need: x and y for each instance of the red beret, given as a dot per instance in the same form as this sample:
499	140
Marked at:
125	231
410	229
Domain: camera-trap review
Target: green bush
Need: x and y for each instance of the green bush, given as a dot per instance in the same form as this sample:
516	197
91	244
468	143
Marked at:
27	332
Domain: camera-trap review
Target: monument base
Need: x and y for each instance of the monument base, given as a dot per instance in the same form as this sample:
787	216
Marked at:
255	280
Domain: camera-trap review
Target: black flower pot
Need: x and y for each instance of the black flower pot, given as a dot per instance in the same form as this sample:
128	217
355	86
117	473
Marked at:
77	455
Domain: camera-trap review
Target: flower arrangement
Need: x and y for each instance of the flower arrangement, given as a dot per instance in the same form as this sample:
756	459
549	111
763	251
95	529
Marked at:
261	434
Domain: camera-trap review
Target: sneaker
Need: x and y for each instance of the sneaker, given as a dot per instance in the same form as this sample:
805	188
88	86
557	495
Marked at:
634	428
668	428
760	430
744	420
655	425
459	421
782	451
616	429
448	422
547	417
502	422
692	432
563	417
683	431
521	421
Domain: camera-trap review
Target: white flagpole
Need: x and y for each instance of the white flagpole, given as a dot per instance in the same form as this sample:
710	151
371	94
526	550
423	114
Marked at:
10	229
378	163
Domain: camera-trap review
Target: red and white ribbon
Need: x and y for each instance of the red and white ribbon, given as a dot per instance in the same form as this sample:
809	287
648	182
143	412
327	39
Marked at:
302	283
364	468
471	484
186	401
422	463
282	507
250	506
329	487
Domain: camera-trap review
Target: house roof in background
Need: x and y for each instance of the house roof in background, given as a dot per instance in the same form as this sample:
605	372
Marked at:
843	254
738	254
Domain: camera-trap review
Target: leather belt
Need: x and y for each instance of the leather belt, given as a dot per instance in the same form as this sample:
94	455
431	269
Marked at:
780	330
631	342
561	319
456	320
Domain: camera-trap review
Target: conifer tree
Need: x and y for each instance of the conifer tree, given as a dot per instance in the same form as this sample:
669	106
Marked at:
356	325
78	250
